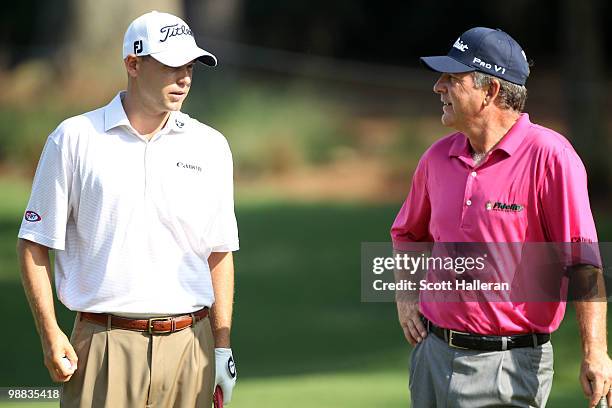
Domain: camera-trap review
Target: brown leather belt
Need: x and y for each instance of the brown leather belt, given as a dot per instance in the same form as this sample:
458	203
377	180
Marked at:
154	325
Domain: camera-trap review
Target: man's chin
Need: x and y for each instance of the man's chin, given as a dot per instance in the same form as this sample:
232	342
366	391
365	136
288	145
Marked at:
174	106
446	121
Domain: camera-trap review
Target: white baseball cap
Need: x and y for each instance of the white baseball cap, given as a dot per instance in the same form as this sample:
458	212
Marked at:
166	38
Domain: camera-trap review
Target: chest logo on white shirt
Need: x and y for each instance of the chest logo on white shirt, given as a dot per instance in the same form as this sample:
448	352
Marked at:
189	166
31	216
499	206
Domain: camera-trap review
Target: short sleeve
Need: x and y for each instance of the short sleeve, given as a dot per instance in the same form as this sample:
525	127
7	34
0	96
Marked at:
47	212
564	199
222	234
412	222
566	211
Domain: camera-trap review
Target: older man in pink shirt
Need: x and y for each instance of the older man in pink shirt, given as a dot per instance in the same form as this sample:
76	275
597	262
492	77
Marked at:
499	179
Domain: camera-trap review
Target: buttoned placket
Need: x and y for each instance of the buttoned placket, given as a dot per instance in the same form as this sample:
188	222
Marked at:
148	161
150	173
471	179
467	199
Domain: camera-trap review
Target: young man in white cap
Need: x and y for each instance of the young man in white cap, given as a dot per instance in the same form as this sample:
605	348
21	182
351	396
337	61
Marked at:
497	179
136	199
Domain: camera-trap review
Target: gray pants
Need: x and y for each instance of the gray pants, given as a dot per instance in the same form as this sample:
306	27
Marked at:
442	376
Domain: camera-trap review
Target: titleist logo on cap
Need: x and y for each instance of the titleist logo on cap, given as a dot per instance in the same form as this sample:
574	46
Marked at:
174	30
460	45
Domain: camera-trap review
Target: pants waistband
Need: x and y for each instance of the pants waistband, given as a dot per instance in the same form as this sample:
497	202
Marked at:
154	325
482	342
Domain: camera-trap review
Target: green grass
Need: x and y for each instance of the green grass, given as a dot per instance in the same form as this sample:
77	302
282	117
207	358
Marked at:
301	337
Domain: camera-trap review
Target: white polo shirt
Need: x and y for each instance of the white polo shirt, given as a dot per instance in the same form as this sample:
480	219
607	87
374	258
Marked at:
134	221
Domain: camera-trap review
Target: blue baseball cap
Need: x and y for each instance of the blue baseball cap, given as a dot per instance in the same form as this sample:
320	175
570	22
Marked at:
486	50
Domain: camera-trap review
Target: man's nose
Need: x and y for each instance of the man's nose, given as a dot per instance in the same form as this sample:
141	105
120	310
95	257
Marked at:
439	85
185	79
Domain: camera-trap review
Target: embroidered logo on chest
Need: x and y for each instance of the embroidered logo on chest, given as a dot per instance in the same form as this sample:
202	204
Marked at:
189	166
505	207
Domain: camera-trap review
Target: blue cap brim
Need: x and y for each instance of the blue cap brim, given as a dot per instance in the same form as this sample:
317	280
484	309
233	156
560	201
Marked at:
446	64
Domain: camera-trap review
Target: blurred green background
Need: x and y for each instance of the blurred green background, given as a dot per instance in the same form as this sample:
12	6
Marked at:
327	112
301	336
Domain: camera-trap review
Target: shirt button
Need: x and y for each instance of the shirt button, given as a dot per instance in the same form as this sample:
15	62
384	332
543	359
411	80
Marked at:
469	202
473	174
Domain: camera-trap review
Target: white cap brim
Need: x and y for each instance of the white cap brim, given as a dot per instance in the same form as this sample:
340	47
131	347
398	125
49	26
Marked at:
179	57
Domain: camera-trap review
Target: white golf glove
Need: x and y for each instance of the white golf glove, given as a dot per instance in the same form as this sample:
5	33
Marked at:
226	374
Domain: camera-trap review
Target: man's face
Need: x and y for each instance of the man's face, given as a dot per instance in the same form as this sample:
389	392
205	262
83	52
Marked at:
462	102
163	88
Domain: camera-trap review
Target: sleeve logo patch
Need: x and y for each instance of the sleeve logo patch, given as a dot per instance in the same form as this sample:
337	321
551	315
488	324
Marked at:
582	239
31	216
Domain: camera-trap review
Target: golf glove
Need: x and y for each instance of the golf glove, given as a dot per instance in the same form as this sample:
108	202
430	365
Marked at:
226	374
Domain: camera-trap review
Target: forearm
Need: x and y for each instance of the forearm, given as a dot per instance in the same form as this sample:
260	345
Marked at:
36	279
591	318
409	275
222	273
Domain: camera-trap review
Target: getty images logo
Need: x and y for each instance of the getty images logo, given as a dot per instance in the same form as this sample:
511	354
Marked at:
460	45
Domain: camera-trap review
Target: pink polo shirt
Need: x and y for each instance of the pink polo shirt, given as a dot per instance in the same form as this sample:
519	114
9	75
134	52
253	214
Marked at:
452	201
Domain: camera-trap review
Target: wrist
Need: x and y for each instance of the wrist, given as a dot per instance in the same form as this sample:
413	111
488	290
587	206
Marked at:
49	330
222	337
594	351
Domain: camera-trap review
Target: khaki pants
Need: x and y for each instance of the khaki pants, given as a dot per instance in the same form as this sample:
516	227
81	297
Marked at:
123	368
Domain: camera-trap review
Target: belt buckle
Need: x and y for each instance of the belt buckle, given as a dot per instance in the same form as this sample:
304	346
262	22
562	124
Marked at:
154	319
450	339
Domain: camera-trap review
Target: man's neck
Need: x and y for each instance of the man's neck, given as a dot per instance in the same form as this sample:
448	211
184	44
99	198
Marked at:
485	134
144	121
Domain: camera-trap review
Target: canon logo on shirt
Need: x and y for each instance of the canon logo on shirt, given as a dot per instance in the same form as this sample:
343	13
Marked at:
188	166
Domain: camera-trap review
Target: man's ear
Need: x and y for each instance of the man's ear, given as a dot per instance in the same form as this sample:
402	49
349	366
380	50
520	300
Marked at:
492	91
132	65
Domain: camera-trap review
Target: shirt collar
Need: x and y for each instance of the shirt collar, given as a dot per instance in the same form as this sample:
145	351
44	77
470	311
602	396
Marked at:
460	146
513	139
509	143
114	116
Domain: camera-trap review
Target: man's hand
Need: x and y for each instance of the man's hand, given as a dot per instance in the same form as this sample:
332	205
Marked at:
596	377
56	346
410	320
225	375
596	368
